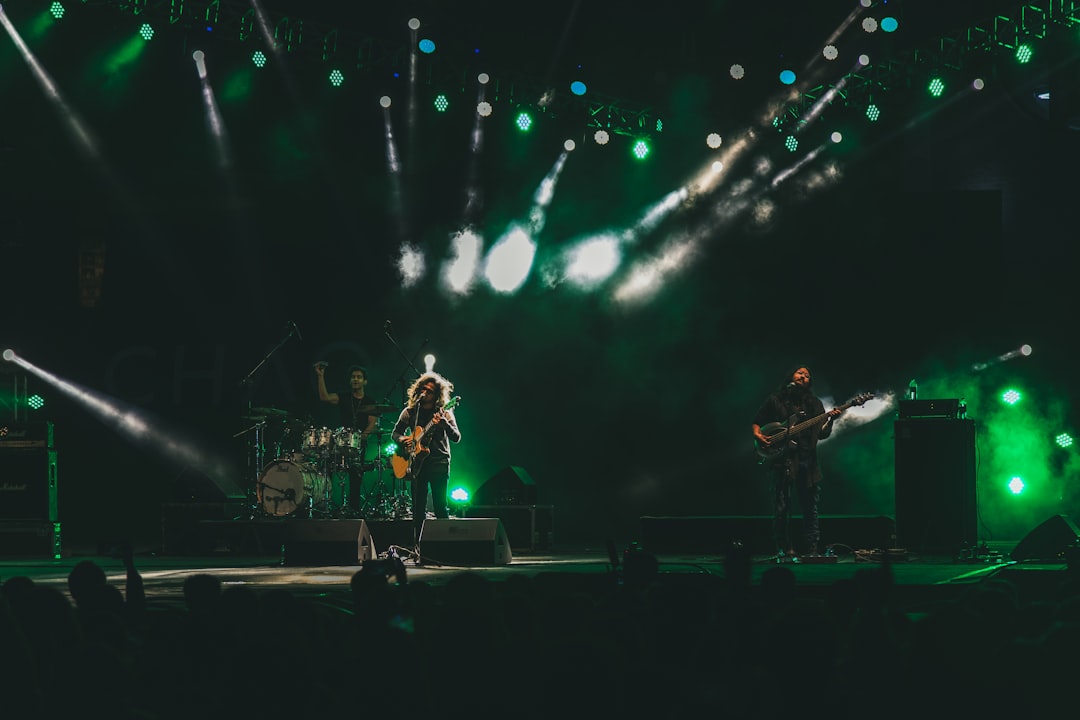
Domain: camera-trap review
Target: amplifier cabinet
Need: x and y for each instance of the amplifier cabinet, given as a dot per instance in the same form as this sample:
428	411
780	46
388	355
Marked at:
528	527
28	484
30	539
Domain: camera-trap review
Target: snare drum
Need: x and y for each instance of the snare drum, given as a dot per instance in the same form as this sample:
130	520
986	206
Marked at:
285	486
348	441
317	440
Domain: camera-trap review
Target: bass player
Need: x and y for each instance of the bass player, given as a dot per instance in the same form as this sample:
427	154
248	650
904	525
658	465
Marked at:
795	464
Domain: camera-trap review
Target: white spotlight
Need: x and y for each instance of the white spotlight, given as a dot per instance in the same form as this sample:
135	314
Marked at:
830	52
414	24
429	362
864	60
713	140
869	25
9	354
483	78
483	108
978	84
569	145
737	71
200	62
385	101
836	137
601	137
717	166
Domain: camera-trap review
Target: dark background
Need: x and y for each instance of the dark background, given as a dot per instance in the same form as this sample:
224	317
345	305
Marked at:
946	242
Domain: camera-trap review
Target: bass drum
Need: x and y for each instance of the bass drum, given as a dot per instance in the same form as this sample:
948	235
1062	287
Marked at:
286	486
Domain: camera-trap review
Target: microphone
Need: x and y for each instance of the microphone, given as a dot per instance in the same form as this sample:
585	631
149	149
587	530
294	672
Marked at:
321	364
387	327
296	330
791	386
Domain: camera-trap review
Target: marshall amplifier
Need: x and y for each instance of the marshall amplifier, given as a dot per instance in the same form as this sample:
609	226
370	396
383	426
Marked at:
28	481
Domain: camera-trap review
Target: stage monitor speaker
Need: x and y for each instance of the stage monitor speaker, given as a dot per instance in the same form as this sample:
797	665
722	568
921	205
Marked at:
328	542
465	541
1048	541
935	485
510	486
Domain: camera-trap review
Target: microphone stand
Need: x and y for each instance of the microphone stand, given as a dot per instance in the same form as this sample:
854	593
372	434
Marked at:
247	384
409	363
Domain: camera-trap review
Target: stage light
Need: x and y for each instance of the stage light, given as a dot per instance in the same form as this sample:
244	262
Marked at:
1011	396
429	362
864	60
829	52
426	46
441	102
936	86
1064	440
459	495
35	402
569	145
9	354
1016	485
524	121
835	137
258	59
640	149
713	140
146	31
869	25
978	83
737	71
872	112
601	137
1024	54
1025	350
787	77
414	23
578	88
483	108
889	24
483	78
56	10
385	101
791	143
336	77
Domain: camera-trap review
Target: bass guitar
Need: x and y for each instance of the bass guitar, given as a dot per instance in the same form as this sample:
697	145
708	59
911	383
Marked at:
406	466
781	434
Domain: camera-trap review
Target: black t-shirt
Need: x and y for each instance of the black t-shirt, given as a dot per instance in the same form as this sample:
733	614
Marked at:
348	411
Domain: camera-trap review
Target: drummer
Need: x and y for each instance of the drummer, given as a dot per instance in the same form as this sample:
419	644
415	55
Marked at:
352	413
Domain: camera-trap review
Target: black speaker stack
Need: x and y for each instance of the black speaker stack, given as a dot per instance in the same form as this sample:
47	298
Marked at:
29	509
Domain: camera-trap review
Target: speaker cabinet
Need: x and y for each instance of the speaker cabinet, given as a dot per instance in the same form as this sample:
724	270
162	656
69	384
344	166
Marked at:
510	486
28	482
465	541
30	538
1048	541
935	485
328	542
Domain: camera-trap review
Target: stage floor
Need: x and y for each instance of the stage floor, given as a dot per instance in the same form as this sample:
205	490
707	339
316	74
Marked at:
919	583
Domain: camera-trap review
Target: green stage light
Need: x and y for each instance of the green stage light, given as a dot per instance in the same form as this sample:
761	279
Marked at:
1010	397
640	149
659	125
441	102
336	77
56	10
936	86
1016	485
872	112
258	59
1024	54
459	495
1064	440
146	31
791	143
36	402
389	449
524	121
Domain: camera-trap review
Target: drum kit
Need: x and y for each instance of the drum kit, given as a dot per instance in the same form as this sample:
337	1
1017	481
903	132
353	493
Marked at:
310	470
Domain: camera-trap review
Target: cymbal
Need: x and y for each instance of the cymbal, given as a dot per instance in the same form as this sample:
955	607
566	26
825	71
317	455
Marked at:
375	409
268	411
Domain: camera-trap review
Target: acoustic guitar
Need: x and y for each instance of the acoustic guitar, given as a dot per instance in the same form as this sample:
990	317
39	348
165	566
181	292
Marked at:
406	466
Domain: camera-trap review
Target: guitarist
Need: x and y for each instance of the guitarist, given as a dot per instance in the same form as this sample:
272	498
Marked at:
796	464
427	397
